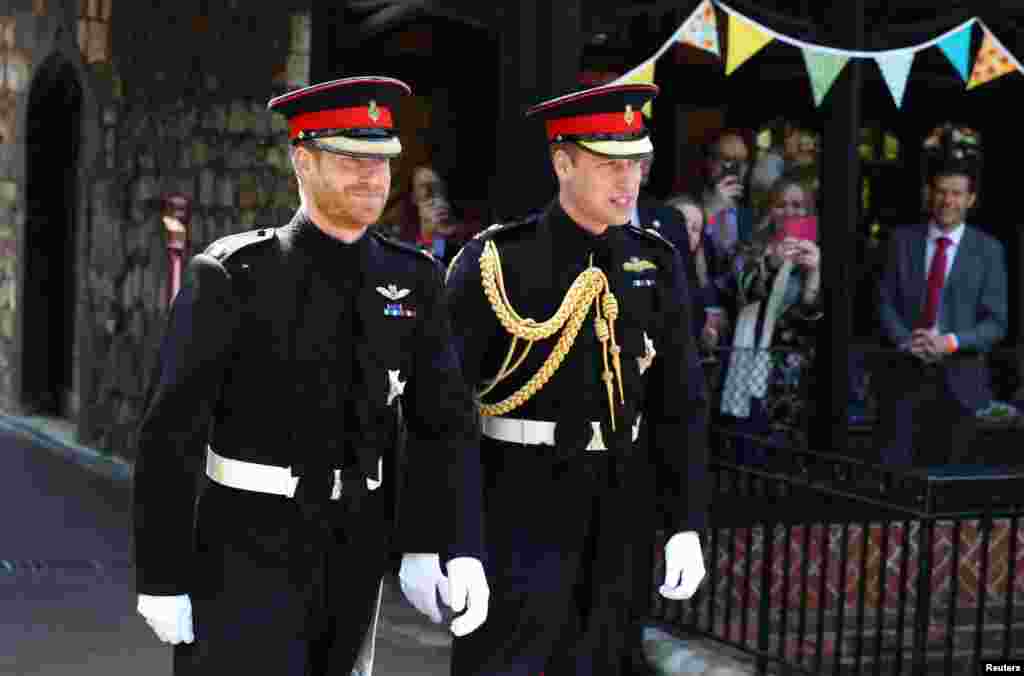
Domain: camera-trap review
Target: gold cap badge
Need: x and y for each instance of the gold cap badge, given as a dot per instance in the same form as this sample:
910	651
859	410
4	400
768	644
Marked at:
629	114
373	112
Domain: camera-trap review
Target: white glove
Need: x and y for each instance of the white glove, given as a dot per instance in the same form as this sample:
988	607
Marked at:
684	566
467	583
421	579
169	616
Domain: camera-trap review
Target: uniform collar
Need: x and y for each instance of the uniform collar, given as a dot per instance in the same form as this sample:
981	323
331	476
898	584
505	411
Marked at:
312	240
568	237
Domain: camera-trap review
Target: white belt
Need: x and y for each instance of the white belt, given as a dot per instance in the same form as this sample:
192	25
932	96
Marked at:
539	432
251	476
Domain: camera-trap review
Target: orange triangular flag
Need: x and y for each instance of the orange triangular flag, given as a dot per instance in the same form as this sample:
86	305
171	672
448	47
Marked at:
992	62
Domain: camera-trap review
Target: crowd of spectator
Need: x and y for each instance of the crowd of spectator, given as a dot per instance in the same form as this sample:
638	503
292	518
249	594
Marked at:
748	235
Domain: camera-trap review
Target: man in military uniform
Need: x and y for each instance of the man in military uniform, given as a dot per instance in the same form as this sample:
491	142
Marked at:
600	355
292	361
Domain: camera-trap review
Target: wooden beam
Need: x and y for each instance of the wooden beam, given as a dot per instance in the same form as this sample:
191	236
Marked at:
478	15
840	171
794	26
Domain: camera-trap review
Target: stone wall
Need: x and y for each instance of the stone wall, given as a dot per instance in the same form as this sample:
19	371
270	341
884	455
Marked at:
186	113
175	101
22	28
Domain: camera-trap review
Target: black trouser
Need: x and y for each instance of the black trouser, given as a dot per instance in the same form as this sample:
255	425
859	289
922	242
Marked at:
541	531
249	608
920	422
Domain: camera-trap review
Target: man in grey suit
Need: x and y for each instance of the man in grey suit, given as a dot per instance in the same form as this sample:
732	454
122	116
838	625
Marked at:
943	303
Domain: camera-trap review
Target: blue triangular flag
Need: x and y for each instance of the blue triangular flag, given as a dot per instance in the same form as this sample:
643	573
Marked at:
895	69
957	48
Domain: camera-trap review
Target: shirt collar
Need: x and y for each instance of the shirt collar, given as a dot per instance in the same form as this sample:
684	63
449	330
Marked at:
956	235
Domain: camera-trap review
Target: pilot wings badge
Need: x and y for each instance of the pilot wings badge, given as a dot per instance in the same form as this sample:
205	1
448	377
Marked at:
645	361
392	292
635	264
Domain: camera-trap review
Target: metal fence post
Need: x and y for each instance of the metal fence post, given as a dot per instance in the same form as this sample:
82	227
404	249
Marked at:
923	602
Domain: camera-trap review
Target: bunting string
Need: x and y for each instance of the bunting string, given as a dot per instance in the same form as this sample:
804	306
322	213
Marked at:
851	53
824	64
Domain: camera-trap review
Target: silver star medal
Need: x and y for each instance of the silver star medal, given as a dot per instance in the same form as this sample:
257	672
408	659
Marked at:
396	386
644	362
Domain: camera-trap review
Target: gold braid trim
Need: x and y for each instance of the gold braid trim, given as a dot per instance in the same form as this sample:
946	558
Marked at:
590	287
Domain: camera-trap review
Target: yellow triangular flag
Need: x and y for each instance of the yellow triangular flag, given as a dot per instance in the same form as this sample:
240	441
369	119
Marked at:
745	39
991	62
643	74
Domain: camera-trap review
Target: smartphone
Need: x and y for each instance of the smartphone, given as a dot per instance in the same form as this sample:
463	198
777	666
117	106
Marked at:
799	227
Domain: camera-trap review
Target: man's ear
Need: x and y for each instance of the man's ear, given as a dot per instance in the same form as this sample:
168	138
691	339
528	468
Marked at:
304	161
562	162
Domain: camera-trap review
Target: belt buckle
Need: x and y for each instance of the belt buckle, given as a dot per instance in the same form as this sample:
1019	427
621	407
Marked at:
596	443
291	483
336	488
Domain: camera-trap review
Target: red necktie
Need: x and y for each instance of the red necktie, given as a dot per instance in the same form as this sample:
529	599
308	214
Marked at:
936	279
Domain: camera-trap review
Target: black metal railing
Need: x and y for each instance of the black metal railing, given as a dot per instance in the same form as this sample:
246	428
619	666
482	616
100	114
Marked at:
819	563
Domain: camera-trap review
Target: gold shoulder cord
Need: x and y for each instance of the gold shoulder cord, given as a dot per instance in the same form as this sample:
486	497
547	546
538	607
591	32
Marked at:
586	289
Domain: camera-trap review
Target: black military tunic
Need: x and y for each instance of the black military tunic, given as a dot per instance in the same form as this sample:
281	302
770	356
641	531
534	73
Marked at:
569	532
287	347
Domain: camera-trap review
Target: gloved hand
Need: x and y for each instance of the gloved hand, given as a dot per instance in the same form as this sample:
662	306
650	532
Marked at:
684	566
468	586
421	580
169	616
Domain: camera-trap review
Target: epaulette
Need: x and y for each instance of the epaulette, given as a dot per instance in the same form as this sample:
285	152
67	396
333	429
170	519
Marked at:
651	234
403	246
225	247
500	228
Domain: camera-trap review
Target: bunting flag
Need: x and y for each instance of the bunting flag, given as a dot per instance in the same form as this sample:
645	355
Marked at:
745	39
701	29
824	68
642	74
992	62
957	48
895	68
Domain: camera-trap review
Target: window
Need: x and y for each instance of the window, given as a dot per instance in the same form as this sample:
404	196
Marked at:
890	148
879	145
94	30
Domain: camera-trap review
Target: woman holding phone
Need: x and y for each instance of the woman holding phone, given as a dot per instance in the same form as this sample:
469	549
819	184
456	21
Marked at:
779	303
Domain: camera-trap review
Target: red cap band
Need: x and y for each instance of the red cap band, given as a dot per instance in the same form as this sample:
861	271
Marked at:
596	123
341	118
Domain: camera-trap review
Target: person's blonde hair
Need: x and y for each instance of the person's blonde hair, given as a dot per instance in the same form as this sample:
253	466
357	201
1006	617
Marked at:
784	183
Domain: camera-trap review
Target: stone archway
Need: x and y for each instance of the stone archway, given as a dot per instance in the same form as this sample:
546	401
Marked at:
52	146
